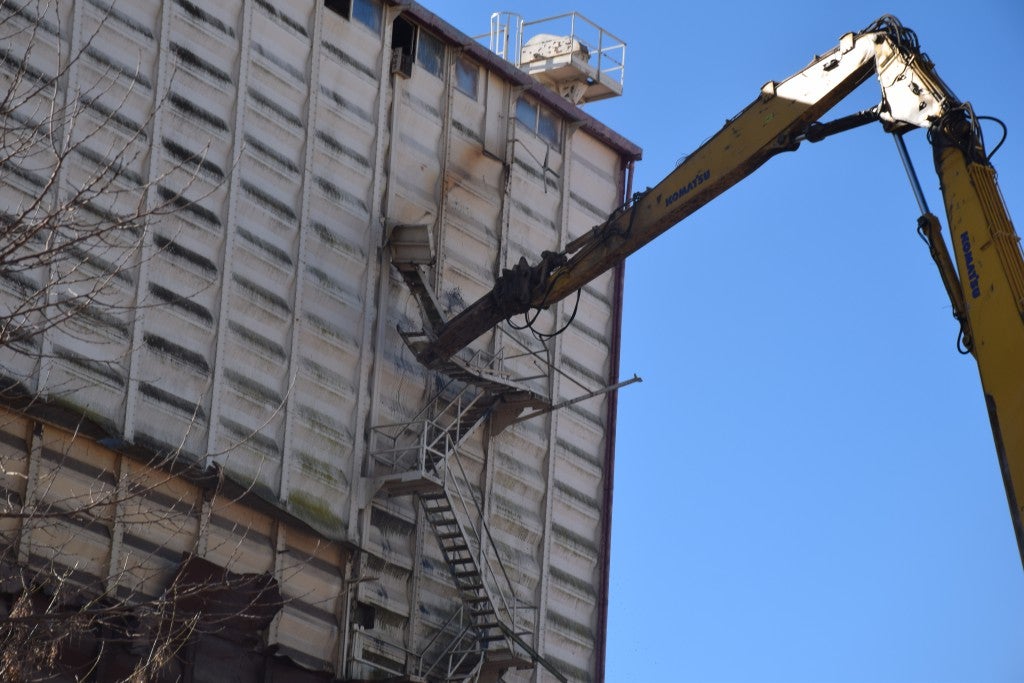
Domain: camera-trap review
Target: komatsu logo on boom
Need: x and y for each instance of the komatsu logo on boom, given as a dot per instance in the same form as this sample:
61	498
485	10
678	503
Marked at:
972	272
699	179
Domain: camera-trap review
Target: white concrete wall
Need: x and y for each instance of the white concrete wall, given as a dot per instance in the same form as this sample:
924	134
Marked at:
255	326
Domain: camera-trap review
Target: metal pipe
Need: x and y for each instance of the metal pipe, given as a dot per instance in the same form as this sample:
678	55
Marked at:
572	401
915	185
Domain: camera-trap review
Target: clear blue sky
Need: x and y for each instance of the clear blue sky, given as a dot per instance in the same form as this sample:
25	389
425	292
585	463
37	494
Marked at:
806	487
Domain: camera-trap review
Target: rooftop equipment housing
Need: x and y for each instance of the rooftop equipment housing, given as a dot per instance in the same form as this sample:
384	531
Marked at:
569	53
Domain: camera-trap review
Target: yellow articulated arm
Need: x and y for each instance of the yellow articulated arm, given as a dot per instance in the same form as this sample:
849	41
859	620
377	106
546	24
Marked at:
775	122
985	287
991	272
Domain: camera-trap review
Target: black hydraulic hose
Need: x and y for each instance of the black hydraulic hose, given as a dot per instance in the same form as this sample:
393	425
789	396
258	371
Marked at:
1001	139
818	131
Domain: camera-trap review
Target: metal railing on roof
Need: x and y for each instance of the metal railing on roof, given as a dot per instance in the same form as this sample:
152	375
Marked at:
510	33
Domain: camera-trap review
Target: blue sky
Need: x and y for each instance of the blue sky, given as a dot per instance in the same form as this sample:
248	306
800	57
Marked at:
806	487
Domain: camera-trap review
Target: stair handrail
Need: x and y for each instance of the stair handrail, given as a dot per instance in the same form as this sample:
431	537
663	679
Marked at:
416	451
428	405
464	626
420	427
450	650
460	410
540	360
510	610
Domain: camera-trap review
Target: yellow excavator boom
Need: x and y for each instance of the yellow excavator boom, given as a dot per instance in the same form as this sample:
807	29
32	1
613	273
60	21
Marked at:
985	286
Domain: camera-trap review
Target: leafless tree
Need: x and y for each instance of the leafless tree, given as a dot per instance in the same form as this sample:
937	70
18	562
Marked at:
79	193
77	599
76	203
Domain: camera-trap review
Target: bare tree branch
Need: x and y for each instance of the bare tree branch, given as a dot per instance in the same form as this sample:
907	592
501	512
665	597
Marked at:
80	206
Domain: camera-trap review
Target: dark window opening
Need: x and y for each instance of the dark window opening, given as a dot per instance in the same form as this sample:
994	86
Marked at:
410	43
341	7
403	36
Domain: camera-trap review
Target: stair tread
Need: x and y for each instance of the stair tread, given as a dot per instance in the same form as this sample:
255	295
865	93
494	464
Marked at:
442	516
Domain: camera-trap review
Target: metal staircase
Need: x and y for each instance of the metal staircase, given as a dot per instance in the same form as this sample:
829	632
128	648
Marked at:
459	658
487	611
484	637
422	457
411	457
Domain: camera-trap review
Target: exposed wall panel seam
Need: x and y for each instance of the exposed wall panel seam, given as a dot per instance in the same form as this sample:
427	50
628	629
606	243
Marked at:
370	356
375	307
504	219
540	636
508	166
152	200
117	532
490	466
442	178
287	457
206	508
280	550
49	292
34	453
229	227
419	538
442	191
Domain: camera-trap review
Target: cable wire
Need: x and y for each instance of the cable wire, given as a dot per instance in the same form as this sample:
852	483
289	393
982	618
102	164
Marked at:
1001	140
